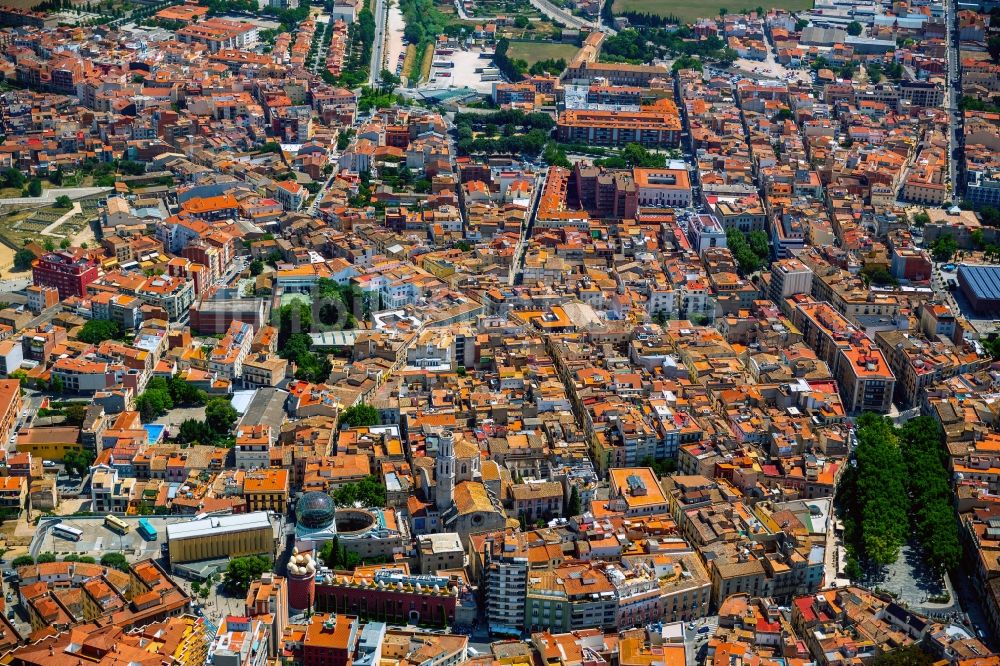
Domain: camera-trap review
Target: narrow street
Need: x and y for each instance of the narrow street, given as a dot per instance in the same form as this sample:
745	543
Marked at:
952	96
529	222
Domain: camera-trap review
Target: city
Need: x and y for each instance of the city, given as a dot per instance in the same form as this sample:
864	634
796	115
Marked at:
499	332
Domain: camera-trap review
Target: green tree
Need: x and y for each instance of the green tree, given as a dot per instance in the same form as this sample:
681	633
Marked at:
153	403
23	259
78	461
921	218
978	238
929	486
14	178
115	561
660	466
185	393
521	21
193	431
944	248
242	571
368	492
853	569
854	28
23	561
359	415
256	267
63	201
45	558
220	415
574	506
993	46
294	317
97	331
35	188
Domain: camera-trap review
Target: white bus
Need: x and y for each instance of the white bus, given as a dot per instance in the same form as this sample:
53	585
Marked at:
67	532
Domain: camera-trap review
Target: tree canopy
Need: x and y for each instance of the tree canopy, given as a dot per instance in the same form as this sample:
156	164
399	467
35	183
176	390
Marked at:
900	479
220	415
23	259
115	561
244	570
97	331
368	492
873	493
359	415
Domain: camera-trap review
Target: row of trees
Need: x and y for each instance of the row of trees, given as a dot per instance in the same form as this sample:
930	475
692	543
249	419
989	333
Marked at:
113	560
634	155
506	132
898	473
335	556
928	484
872	495
501	58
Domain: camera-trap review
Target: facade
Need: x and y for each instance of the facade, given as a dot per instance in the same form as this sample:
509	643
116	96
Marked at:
788	278
390	594
330	640
227	357
266	490
221	537
652	129
173	295
42	298
68	272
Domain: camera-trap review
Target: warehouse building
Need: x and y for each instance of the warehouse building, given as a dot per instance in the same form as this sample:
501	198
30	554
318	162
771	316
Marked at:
981	285
218	538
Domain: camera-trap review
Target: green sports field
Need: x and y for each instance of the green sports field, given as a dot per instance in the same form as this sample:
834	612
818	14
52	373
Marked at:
532	52
691	10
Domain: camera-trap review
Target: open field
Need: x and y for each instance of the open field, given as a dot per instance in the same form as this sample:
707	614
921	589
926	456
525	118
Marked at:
532	52
20	225
691	10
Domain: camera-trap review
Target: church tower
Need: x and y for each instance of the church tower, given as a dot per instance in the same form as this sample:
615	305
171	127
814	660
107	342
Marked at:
445	471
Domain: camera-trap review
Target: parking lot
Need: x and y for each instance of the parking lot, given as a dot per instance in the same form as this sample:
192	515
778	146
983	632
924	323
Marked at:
462	73
98	539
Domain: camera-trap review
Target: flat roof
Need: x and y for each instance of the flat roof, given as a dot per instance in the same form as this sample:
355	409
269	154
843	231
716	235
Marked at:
984	281
215	525
267	407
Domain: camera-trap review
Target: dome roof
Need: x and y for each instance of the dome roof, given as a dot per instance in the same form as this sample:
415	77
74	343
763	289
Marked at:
315	510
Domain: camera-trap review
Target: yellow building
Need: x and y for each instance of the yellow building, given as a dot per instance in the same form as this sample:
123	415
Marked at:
218	537
191	648
51	443
266	490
